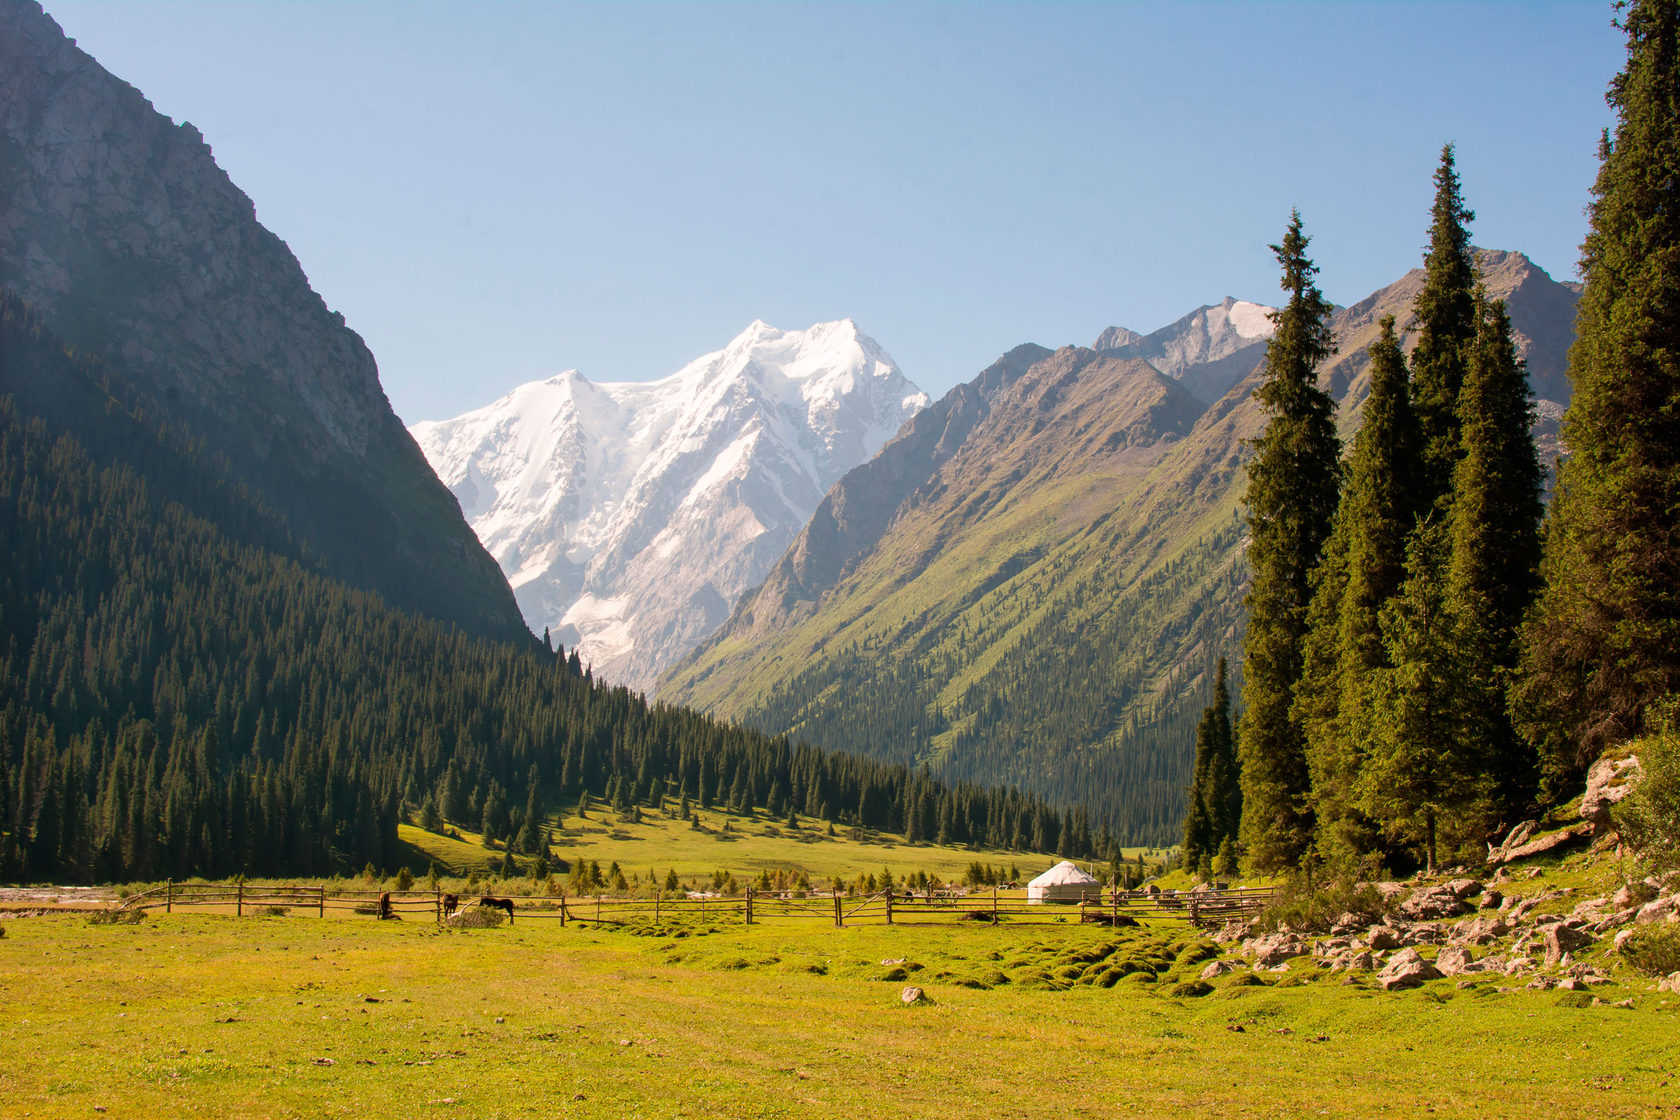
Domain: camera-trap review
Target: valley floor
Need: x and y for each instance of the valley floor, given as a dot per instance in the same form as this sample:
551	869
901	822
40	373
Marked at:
288	1016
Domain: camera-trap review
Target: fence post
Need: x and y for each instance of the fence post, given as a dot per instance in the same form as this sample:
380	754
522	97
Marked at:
839	920
1115	894
239	902
749	906
169	897
562	907
889	908
597	909
437	901
994	906
321	902
656	906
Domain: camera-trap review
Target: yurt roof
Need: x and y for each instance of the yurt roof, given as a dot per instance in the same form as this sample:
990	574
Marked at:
1063	874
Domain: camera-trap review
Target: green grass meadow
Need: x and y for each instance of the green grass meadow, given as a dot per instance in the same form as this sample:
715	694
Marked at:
194	1014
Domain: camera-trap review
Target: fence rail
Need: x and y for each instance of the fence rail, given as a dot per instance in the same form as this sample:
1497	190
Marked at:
1204	908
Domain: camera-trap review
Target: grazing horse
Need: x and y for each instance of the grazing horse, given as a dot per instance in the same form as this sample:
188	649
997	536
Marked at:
384	905
451	903
499	904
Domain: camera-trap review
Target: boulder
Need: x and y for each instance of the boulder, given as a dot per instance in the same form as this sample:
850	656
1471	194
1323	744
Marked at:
1454	960
912	995
1657	909
1492	900
1561	939
1518	964
1551	842
1464	888
1275	949
1382	938
1671	984
1478	931
1406	970
1216	968
1232	932
1359	962
1348	923
1433	902
1621	939
1608	782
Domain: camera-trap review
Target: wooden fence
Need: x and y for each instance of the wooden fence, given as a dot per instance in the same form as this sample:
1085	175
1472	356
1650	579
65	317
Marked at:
1200	908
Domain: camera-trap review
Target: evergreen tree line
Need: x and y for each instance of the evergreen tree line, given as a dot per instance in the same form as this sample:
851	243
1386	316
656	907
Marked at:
182	693
1426	662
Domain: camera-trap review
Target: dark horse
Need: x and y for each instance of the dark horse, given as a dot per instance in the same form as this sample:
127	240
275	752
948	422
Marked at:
500	904
385	906
451	903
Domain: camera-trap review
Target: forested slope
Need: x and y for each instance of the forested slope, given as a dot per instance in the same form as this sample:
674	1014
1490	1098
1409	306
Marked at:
182	691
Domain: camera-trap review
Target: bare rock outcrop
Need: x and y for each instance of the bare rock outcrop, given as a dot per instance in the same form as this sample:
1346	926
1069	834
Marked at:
1609	780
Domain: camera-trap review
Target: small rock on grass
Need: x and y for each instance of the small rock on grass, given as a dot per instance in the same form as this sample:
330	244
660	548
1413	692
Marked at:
913	995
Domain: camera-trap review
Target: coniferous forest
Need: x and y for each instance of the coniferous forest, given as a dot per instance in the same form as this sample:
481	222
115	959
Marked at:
183	693
1432	656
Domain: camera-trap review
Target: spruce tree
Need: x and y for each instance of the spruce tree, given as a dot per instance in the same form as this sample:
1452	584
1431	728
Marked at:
1215	799
1420	778
1494	571
1604	641
1362	569
1291	498
1446	322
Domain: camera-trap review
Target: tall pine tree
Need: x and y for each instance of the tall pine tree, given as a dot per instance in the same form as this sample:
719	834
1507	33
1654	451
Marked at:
1362	569
1604	642
1446	321
1215	800
1420	776
1291	498
1495	563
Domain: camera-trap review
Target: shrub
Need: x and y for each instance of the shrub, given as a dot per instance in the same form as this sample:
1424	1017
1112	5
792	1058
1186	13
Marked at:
1654	949
115	917
405	879
1315	908
1191	989
1649	816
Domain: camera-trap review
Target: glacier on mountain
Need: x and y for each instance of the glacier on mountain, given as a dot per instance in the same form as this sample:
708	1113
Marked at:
630	516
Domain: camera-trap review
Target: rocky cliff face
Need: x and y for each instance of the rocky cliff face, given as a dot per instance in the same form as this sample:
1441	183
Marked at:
117	225
630	517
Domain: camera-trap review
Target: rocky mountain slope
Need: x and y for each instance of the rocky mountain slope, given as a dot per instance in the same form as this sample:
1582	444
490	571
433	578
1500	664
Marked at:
1060	566
121	231
630	517
1209	350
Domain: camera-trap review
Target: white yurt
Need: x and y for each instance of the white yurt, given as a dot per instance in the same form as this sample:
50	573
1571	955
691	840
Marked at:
1062	883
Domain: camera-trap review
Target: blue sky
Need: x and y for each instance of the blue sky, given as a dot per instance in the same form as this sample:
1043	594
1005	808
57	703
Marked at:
495	192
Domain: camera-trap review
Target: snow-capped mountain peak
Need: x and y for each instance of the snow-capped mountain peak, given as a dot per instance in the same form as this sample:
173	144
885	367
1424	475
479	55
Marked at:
629	516
1209	350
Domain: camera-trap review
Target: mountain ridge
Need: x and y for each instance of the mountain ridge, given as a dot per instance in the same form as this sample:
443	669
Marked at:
118	227
630	516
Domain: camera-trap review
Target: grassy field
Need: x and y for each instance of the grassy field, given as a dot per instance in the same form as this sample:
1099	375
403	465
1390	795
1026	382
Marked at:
751	844
214	1016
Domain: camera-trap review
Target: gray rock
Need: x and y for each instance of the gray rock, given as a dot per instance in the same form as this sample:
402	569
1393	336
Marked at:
1465	888
1551	842
912	995
1657	910
1608	782
1433	902
1454	960
1274	949
1492	900
1406	970
1382	938
1478	931
1216	968
1561	939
